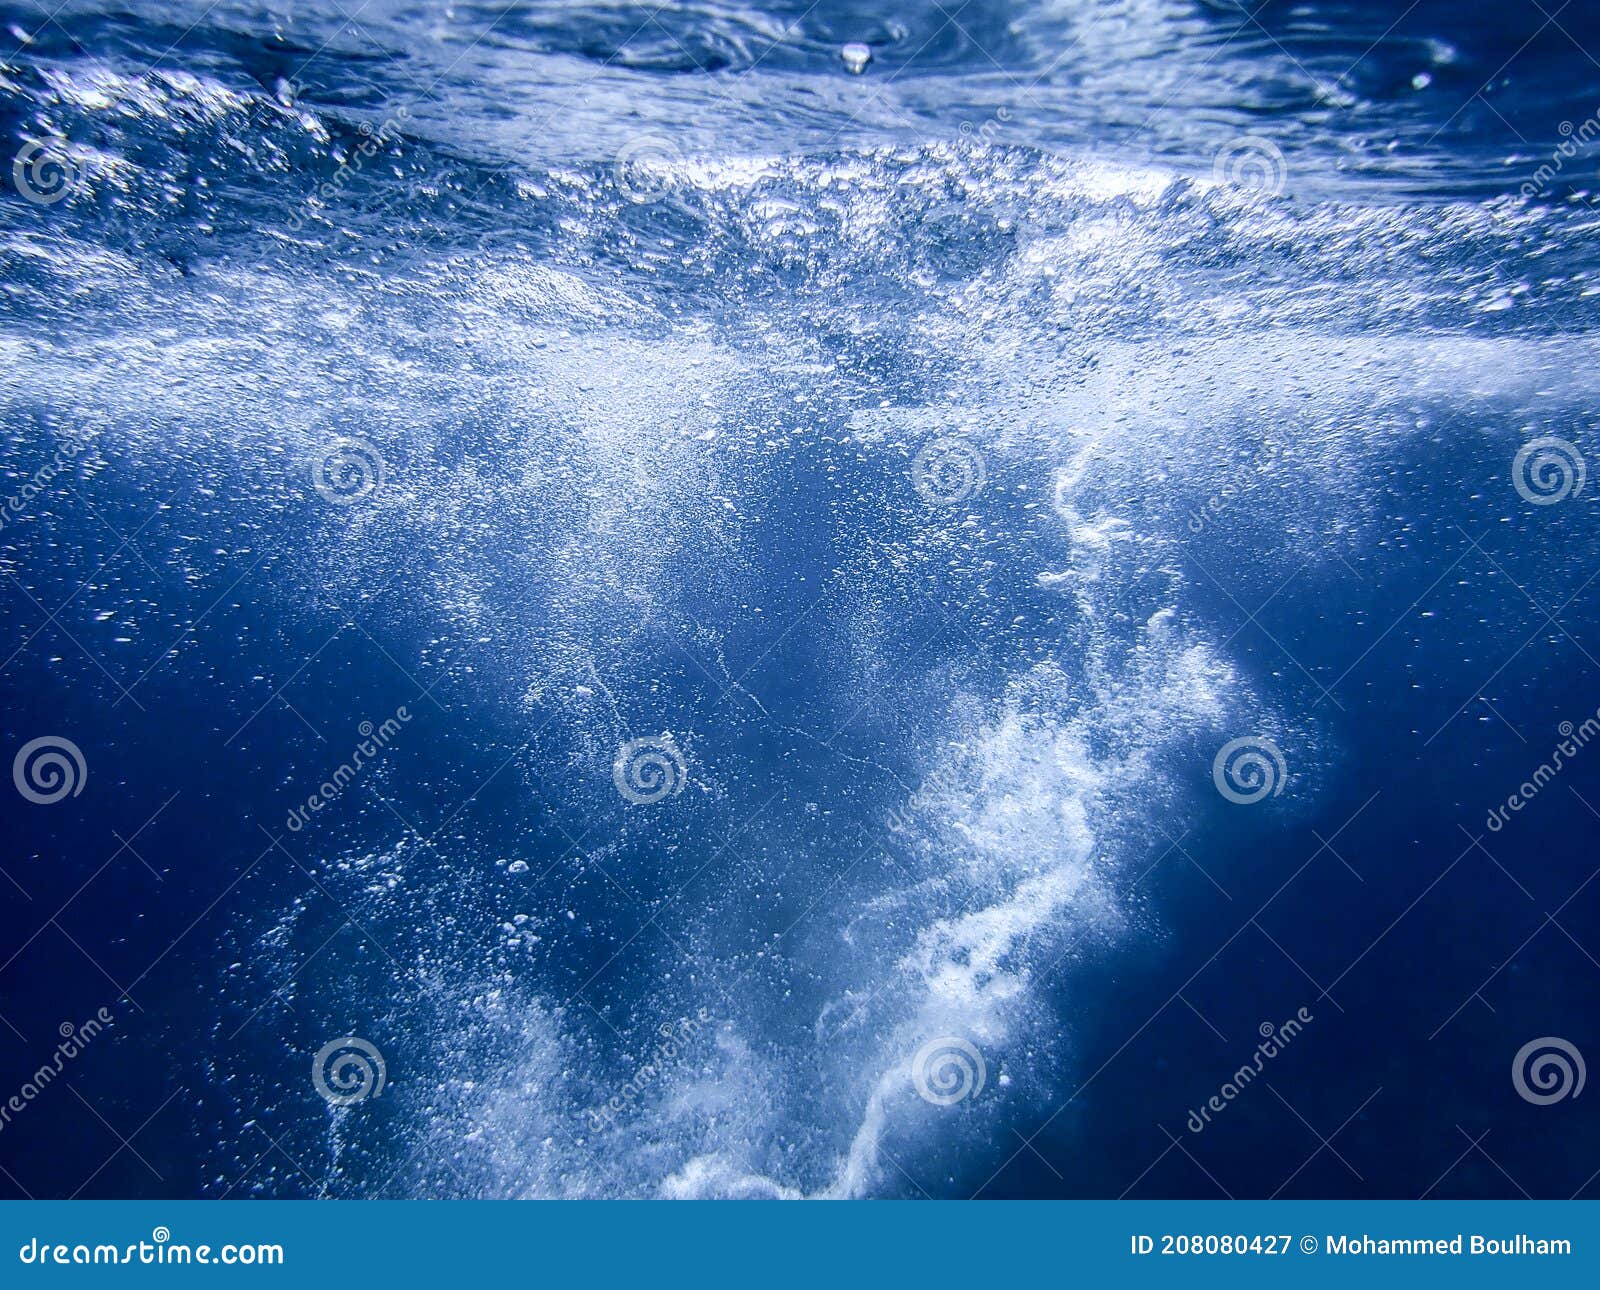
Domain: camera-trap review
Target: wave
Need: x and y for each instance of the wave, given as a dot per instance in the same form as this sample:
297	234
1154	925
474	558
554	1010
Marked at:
1355	103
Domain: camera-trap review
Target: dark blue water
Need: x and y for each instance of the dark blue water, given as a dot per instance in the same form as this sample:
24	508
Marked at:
757	565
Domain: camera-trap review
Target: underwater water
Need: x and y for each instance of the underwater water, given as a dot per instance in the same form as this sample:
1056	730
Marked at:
632	601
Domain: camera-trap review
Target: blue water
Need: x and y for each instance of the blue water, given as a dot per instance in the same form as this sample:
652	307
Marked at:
788	545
